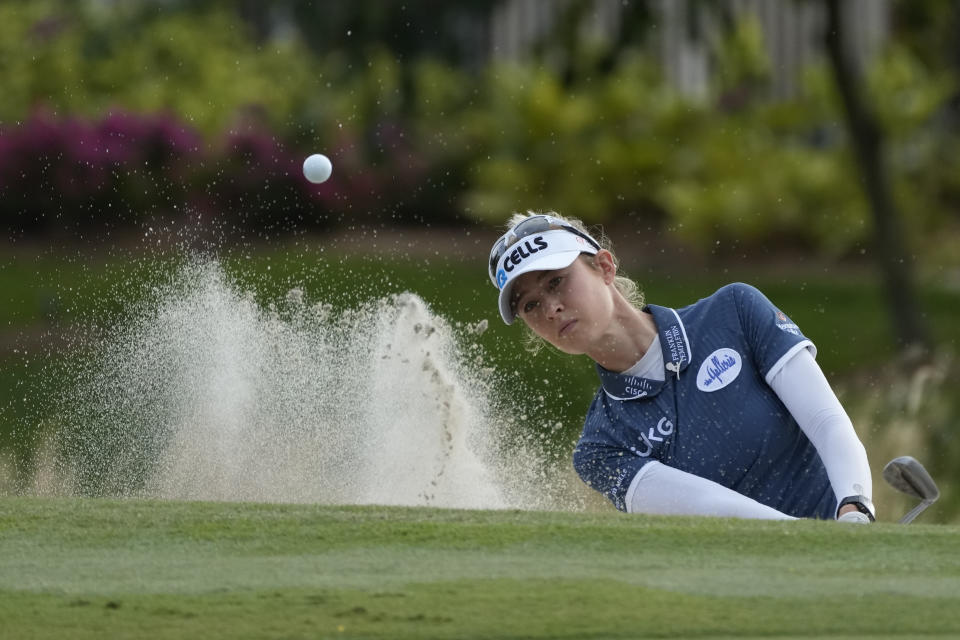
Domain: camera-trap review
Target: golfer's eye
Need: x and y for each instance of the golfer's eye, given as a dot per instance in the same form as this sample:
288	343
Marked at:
530	305
554	283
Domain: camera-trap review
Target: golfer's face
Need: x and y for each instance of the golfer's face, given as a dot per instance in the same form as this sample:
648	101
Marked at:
562	306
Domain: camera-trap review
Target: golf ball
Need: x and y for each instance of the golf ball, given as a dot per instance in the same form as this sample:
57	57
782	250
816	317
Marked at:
317	168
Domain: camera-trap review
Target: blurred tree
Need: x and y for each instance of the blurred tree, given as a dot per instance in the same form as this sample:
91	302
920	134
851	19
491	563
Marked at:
452	30
929	29
868	142
586	119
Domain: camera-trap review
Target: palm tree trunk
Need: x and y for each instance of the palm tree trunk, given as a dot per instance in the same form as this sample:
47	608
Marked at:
890	248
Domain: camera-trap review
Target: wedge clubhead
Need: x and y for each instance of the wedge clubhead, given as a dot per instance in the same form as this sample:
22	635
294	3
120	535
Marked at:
907	475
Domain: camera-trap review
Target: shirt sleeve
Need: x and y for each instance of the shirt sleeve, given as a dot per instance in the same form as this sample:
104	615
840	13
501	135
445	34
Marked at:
772	336
607	469
663	490
804	390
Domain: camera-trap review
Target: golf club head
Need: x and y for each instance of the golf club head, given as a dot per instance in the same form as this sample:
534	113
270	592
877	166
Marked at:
906	474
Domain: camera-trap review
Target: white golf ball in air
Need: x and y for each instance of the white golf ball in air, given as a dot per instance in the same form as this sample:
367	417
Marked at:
317	168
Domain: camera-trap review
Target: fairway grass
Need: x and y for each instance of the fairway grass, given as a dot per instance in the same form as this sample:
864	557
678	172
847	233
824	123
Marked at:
91	568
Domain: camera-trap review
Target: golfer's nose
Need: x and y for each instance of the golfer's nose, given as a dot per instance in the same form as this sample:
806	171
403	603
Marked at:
553	306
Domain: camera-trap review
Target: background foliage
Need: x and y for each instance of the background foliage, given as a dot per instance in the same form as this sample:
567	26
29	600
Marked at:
426	140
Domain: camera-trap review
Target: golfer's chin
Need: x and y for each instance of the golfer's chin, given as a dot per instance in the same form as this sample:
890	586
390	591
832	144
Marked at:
566	345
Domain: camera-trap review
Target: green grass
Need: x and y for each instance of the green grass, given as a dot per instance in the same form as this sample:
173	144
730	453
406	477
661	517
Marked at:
86	568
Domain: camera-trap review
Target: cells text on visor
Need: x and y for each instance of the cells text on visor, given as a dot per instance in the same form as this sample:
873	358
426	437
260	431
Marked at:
522	251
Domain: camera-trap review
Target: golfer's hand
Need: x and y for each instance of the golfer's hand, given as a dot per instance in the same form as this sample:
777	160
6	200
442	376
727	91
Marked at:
852	515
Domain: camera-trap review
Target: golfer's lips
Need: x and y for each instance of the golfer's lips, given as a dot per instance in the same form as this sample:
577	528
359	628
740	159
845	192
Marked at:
566	327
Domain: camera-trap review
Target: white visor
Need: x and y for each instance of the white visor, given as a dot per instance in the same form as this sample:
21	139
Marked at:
554	249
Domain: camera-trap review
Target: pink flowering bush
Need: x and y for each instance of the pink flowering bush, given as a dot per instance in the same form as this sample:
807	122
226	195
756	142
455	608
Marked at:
69	176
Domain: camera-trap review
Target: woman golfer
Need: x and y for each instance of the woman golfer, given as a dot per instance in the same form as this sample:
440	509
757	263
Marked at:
717	408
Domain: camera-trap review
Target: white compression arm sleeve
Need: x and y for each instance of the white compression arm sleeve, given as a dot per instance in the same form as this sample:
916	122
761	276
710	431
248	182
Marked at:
663	490
802	387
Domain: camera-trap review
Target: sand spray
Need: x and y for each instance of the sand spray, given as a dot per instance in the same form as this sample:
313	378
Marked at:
201	393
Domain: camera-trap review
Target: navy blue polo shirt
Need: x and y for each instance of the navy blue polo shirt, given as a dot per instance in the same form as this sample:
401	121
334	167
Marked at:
714	415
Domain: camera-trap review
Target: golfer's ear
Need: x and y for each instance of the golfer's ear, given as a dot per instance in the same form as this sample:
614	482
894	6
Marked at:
604	261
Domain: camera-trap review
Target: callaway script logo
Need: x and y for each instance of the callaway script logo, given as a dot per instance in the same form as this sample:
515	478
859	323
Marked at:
719	369
663	429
